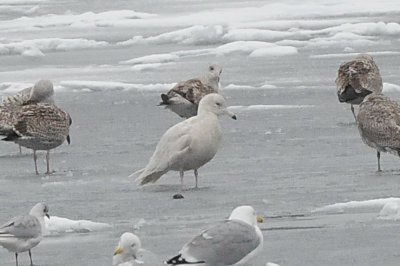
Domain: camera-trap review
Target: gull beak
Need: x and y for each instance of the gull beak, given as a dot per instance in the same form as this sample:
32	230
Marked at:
118	250
230	114
47	215
260	219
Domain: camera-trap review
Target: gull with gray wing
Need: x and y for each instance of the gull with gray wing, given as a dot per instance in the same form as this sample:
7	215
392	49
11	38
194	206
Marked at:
236	241
22	233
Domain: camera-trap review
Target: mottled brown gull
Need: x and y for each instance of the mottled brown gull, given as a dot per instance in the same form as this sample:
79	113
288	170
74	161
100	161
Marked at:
22	233
40	127
41	92
358	78
189	144
379	124
183	99
235	241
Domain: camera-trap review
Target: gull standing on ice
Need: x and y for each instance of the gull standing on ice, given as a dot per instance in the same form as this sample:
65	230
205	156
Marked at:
41	92
183	99
126	253
235	241
40	127
378	122
189	144
24	232
358	78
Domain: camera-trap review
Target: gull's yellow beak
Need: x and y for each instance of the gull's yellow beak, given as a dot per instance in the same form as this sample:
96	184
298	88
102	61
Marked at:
260	219
118	250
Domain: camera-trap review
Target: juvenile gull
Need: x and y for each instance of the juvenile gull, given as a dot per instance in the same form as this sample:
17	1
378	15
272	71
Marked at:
41	92
40	127
379	124
189	144
235	241
358	78
183	99
127	250
22	233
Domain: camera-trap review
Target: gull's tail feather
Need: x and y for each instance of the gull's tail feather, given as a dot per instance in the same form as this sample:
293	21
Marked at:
146	177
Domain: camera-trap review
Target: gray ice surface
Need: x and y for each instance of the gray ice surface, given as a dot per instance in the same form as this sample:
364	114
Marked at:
283	162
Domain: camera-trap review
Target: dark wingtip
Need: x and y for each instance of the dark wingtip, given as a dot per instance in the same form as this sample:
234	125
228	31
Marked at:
11	137
68	140
234	117
177	260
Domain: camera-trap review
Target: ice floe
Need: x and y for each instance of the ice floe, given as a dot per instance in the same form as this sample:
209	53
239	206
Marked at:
59	225
38	47
389	87
79	85
343	206
266	107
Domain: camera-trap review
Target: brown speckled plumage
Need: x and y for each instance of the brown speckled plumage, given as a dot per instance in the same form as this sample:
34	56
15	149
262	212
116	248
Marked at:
40	127
183	99
379	124
358	78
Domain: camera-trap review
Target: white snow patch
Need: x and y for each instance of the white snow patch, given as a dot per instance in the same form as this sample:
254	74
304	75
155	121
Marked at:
272	264
390	211
266	107
274	51
145	67
237	34
350	55
85	20
340	207
197	35
58	225
81	85
389	87
37	47
150	59
249	87
254	48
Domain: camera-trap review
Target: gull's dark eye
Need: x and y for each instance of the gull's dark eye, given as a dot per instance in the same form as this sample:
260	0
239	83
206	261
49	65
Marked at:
132	245
211	68
218	104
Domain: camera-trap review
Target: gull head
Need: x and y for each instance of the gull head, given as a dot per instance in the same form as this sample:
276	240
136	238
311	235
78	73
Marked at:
42	91
215	103
245	214
40	210
212	76
128	246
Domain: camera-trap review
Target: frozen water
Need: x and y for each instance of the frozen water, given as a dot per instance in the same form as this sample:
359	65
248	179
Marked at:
294	148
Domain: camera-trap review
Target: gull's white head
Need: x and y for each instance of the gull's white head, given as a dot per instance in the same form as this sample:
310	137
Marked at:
212	77
40	210
214	103
245	214
42	92
128	247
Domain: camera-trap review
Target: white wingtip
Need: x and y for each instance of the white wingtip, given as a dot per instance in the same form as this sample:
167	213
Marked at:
136	174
